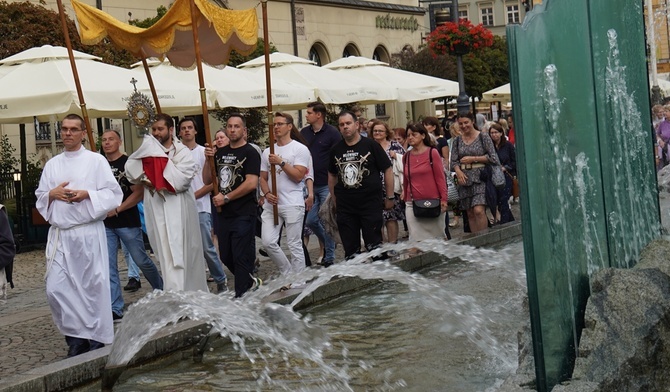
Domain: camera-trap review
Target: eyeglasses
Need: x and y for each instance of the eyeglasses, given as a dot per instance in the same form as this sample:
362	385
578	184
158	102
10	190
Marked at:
279	124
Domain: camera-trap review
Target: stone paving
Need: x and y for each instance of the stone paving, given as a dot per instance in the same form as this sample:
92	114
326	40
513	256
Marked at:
28	336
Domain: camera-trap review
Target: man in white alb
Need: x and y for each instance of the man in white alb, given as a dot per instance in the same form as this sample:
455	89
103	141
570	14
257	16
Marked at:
75	193
165	167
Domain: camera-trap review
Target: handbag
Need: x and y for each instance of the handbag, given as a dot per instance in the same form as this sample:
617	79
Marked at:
425	208
452	190
492	171
515	187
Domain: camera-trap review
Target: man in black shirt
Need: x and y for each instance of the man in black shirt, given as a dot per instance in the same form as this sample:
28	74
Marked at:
354	170
320	137
123	223
238	167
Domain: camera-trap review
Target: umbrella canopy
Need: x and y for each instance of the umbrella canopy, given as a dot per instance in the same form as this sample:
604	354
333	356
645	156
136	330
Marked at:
47	89
219	31
232	87
408	86
664	85
44	53
500	93
330	87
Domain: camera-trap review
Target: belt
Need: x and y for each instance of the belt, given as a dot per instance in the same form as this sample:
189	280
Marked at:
468	166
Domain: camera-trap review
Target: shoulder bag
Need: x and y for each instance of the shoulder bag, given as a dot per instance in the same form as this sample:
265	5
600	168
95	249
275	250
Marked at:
425	208
492	171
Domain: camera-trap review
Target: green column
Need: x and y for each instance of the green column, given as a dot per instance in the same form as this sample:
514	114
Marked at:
585	150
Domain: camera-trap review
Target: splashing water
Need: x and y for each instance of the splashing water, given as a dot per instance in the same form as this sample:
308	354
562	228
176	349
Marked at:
282	333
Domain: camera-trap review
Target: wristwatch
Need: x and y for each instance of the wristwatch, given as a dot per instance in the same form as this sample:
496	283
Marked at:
390	197
282	164
226	199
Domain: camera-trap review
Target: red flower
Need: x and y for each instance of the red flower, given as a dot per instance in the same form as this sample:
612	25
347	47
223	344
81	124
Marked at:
463	34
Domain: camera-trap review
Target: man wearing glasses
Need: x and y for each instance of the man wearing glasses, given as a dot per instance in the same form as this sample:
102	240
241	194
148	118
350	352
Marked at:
237	168
75	193
291	159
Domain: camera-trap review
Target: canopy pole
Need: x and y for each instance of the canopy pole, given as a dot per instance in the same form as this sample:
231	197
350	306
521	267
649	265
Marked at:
203	96
151	81
268	94
75	74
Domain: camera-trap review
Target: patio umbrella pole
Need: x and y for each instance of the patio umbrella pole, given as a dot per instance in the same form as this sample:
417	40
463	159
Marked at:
82	103
203	96
268	94
151	81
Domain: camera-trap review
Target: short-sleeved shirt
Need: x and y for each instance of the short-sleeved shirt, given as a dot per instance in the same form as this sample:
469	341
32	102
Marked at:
232	167
319	144
290	193
358	169
131	216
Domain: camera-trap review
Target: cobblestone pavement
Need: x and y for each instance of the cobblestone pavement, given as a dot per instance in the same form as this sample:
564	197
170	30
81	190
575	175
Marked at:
28	336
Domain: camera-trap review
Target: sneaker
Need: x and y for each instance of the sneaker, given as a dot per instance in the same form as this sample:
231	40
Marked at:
257	282
327	263
262	252
133	285
222	287
116	317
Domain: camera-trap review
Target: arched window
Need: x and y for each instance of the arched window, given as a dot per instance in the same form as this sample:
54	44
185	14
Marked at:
381	54
319	54
350	50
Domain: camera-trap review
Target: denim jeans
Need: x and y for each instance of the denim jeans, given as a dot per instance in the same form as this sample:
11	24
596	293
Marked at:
133	270
292	216
132	237
314	223
237	247
212	258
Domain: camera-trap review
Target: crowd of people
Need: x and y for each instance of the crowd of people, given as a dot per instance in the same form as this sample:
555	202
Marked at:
367	176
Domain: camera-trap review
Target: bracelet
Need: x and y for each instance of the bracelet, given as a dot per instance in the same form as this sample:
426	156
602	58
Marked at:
116	210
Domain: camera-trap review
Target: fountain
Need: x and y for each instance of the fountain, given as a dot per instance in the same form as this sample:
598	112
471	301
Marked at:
589	198
454	304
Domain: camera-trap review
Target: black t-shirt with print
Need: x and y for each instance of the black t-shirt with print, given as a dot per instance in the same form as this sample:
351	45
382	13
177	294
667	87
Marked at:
232	167
358	168
131	216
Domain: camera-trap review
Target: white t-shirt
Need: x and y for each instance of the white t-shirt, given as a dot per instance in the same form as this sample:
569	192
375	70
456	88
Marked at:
203	204
295	154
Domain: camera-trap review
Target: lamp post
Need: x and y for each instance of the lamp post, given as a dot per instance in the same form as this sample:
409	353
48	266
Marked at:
19	207
462	101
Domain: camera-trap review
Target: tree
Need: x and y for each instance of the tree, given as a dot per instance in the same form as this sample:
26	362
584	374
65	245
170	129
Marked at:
482	71
148	22
26	25
8	162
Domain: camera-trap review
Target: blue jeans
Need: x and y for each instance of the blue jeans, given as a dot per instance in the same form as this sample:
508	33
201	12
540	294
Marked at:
237	247
313	222
213	262
133	271
132	237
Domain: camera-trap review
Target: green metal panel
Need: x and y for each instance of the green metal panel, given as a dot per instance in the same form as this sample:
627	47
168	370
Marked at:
585	155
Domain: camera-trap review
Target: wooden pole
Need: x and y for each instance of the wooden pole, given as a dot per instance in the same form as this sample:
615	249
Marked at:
203	95
75	74
151	81
268	94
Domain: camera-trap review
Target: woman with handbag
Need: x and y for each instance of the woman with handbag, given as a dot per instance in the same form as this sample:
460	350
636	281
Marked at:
425	187
381	133
507	157
471	153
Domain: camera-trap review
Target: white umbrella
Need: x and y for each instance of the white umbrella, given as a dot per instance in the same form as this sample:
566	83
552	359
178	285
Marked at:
409	86
46	89
500	93
45	53
329	86
232	87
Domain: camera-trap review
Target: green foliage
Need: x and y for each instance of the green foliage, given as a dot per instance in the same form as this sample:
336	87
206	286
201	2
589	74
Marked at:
148	22
237	59
31	179
482	71
8	162
24	25
333	112
256	119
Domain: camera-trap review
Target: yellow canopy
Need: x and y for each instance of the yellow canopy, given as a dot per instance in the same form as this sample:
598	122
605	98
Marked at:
219	31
